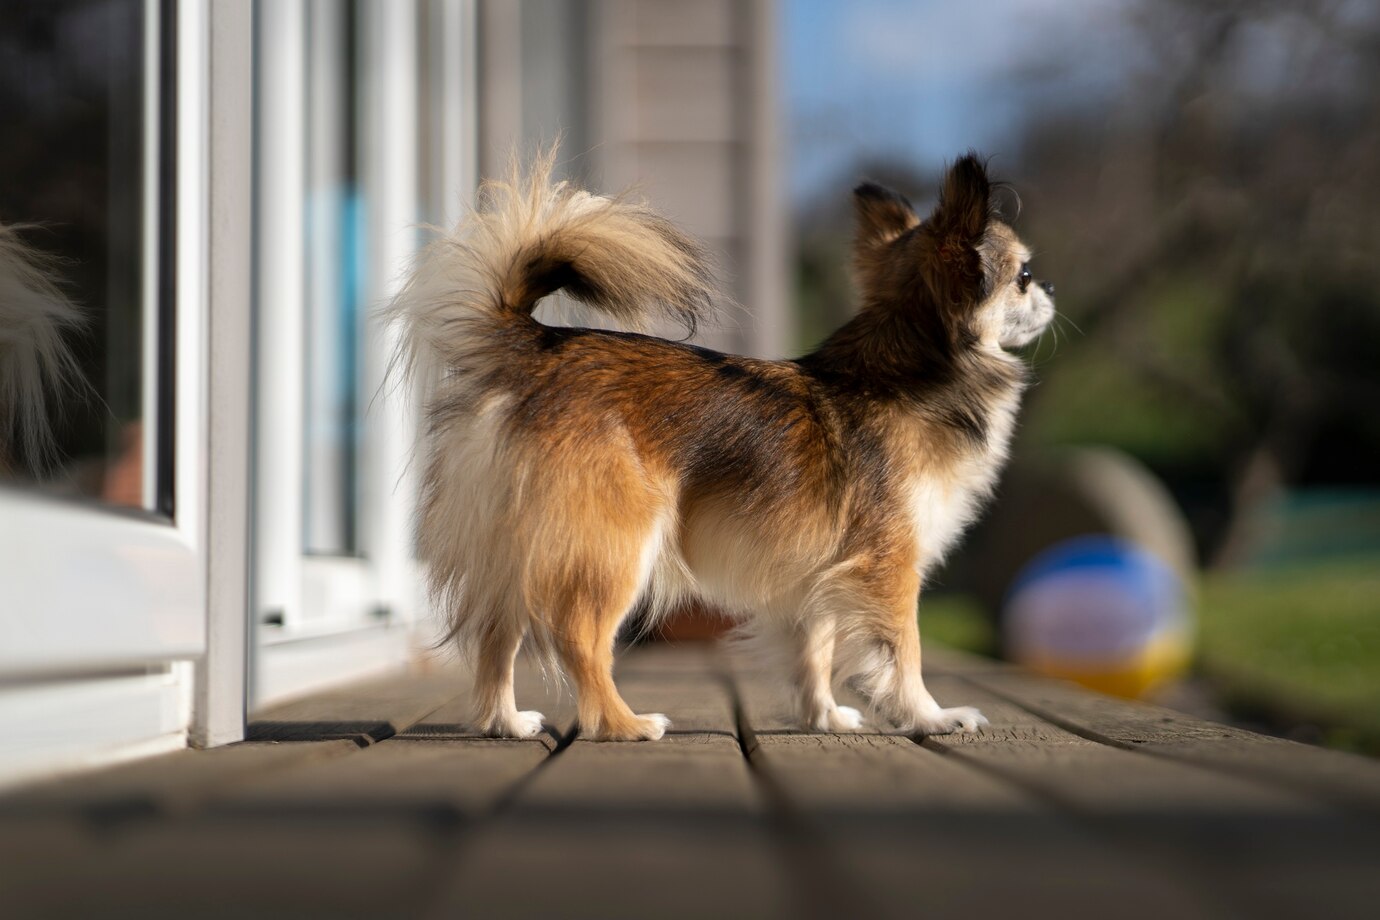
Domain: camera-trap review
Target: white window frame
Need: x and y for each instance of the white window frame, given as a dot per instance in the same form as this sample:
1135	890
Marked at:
320	620
104	611
124	633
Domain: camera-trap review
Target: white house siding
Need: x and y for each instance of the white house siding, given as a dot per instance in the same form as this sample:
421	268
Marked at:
676	99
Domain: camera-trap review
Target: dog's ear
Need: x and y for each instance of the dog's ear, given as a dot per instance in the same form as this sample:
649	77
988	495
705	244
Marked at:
956	228
882	214
965	204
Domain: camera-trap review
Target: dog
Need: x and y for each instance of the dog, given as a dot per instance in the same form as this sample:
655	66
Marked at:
573	475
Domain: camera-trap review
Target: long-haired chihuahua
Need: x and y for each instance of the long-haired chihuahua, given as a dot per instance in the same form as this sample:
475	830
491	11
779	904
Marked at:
574	475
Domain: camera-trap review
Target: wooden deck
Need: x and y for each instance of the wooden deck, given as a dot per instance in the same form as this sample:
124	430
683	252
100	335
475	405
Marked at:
378	801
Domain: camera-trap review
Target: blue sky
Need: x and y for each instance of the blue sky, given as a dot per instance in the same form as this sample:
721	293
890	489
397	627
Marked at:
923	81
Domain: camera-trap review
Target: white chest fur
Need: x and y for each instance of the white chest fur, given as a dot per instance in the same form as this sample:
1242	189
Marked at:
946	498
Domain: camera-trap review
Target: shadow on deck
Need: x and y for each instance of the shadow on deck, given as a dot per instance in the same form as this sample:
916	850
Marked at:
378	800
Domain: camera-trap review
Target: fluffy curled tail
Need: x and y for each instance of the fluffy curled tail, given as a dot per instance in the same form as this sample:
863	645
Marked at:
529	237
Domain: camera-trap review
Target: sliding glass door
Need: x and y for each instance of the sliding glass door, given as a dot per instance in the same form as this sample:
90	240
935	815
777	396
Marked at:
102	308
345	169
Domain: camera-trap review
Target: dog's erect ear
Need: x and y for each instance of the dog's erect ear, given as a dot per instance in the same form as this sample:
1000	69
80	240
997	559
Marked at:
954	231
883	214
965	204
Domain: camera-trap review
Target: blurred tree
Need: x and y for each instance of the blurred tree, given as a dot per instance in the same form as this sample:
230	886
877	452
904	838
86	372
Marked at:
1220	233
1212	227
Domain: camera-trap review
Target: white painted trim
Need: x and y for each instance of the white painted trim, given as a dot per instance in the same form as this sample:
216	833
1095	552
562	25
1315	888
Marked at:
221	691
500	99
279	131
149	262
190	284
466	155
289	669
455	109
328	602
336	594
767	260
87	587
391	180
77	725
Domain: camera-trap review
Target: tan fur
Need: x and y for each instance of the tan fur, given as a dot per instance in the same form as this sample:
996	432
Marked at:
572	474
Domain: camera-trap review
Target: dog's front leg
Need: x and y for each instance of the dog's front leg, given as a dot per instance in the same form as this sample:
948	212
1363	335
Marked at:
813	663
891	674
911	704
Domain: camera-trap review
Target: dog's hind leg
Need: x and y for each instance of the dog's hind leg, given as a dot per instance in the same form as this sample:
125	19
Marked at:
601	517
496	702
591	620
592	594
813	664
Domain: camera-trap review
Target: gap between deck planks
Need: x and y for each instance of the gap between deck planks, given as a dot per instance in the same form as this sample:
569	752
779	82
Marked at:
400	809
674	827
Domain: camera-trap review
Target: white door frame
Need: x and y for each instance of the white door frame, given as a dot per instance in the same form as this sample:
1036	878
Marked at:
334	618
124	633
105	611
88	587
221	689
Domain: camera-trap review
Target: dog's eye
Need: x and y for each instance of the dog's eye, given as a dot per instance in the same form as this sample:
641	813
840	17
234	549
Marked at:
1024	278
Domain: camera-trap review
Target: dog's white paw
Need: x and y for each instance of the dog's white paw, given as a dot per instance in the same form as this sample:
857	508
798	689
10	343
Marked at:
836	719
642	728
525	724
950	721
651	727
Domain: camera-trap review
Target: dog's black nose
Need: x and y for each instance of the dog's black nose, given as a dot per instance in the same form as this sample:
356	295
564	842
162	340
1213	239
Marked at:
1048	287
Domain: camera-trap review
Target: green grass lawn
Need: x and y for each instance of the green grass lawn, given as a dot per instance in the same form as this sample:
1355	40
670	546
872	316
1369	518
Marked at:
958	621
1293	645
1298	644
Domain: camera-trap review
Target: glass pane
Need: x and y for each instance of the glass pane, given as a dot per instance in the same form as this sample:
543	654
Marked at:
74	279
336	258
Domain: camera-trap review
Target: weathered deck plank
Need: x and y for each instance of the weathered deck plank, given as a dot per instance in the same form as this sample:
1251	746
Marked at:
674	828
360	822
1193	823
168	784
454	720
222	865
884	809
366	712
443	782
1347	781
1067	800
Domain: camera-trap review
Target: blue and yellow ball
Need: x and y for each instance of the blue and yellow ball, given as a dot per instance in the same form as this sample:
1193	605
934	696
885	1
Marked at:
1102	612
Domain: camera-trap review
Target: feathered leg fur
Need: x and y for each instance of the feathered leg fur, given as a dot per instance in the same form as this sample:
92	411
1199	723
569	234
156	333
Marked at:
813	647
